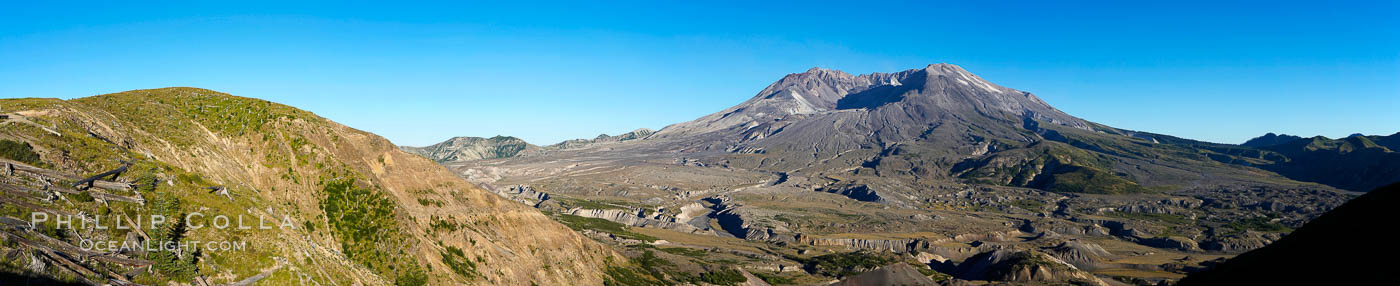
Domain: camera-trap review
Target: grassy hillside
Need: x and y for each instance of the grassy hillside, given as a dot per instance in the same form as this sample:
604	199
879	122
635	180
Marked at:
353	196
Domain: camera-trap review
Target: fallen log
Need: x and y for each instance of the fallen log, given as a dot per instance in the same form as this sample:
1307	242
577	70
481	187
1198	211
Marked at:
63	264
56	256
90	181
54	244
21	167
21	191
95	194
111	185
14	222
41	173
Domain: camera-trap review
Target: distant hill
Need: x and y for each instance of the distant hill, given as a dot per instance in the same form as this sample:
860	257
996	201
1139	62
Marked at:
1357	162
603	138
1350	245
461	149
474	148
1270	139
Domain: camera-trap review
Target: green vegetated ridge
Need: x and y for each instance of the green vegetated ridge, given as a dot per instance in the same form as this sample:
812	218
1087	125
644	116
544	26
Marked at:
1050	166
196	150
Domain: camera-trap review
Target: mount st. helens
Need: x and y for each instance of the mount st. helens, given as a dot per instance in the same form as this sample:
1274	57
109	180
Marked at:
935	166
365	212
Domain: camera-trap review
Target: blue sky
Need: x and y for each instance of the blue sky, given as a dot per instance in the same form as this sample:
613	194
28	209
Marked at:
421	72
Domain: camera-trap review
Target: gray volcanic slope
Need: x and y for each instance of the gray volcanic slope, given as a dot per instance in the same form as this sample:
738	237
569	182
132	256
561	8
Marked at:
957	125
826	111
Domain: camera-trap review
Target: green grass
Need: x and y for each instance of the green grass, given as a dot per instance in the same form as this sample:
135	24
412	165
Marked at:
627	276
652	265
1053	166
579	223
845	264
775	278
1079	179
1030	205
727	276
164	112
1257	224
932	274
691	252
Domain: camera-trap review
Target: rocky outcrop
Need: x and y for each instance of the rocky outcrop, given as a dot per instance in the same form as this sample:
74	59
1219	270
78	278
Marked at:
1022	266
1081	254
1244	241
856	192
522	193
1063	227
883	245
893	274
1172	242
1163	206
638	218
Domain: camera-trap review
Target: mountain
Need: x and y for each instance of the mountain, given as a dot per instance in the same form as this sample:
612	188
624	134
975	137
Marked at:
1353	163
820	113
1270	139
933	163
349	208
941	123
1356	162
460	149
602	138
1315	253
1391	141
474	148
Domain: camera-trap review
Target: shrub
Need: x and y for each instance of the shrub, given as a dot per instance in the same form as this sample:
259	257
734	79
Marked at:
457	260
362	220
727	276
19	151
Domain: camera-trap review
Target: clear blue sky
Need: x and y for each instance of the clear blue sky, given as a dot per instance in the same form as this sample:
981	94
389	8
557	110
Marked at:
422	72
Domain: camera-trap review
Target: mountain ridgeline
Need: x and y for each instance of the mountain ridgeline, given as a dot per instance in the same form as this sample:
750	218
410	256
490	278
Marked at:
476	148
1357	162
352	209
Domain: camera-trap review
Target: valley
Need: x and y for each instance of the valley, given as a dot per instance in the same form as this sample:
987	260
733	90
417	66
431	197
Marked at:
934	167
